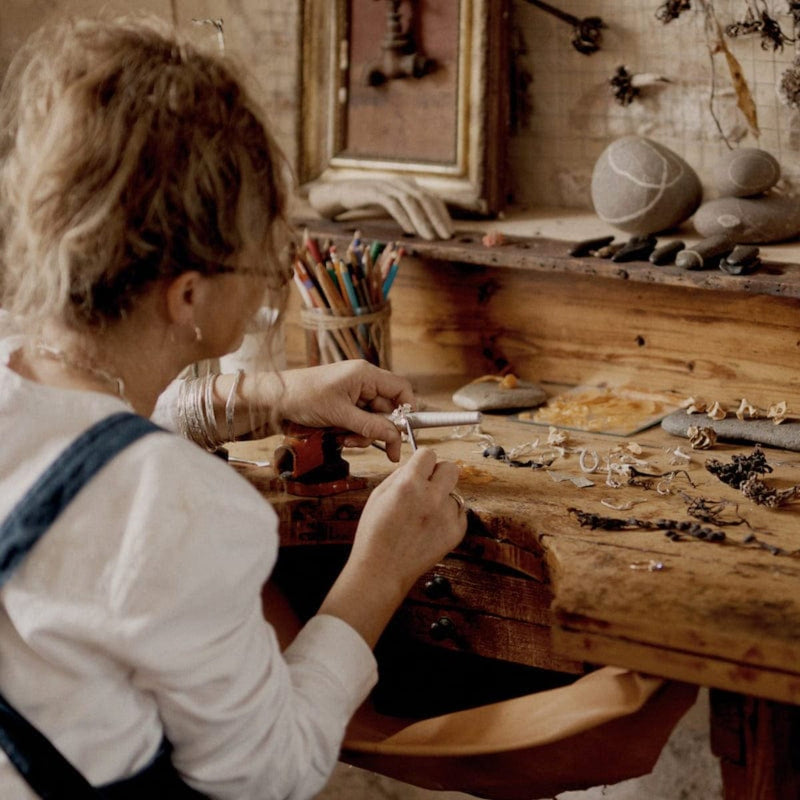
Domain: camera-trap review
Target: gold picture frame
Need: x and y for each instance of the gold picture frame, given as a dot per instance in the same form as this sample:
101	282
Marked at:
447	129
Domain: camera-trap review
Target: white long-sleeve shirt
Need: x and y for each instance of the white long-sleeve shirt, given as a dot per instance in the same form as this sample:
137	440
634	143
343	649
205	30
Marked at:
138	614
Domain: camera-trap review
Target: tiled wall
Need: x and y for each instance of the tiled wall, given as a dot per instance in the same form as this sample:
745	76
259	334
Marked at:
264	34
567	113
574	115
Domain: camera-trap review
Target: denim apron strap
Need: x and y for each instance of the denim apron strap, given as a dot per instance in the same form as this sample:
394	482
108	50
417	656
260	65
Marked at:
47	772
61	481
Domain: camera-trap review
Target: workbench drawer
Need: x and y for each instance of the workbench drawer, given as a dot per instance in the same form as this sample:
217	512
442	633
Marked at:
479	633
487	588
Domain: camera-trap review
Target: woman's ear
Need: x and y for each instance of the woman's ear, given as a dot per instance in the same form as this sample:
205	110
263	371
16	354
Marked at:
182	298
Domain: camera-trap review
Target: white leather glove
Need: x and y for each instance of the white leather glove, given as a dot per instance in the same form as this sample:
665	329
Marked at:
415	210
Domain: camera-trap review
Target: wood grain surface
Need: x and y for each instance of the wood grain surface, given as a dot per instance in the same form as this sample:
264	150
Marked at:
720	614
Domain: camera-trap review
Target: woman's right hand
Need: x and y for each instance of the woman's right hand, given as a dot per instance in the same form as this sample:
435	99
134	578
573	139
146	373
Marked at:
408	524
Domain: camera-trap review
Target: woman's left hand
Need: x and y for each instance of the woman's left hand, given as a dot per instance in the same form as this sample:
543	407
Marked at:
351	395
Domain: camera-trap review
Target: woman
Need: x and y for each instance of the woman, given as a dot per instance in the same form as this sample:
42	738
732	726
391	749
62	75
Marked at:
143	217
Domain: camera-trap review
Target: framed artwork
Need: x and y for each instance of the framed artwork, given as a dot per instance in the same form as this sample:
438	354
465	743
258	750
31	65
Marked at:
408	88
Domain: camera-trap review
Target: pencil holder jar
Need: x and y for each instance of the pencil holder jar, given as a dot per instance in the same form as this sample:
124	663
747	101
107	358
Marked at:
332	337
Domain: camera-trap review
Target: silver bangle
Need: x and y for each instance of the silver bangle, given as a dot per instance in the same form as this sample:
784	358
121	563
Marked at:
230	406
196	417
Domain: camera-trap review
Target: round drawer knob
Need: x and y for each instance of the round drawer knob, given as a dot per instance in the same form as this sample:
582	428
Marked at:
442	629
438	587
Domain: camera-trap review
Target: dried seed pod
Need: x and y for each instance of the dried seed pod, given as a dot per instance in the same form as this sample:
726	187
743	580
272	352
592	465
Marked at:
701	438
777	412
694	406
717	411
747	410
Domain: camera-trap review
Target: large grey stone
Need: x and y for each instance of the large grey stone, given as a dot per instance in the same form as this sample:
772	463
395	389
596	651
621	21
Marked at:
641	186
746	171
732	429
750	220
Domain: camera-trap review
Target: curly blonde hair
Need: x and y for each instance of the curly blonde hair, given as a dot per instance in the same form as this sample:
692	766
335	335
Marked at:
128	156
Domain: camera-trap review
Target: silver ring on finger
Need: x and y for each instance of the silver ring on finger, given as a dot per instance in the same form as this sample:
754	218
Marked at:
462	506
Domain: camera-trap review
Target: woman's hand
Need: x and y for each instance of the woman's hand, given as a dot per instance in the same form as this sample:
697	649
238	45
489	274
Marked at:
408	524
351	395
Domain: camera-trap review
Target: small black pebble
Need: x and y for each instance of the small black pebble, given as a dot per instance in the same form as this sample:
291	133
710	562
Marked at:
494	451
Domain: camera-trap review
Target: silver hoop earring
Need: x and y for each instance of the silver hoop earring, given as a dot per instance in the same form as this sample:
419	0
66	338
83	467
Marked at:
198	334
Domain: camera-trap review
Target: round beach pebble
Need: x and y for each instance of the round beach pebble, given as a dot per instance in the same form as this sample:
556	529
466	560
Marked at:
750	220
643	187
745	172
490	395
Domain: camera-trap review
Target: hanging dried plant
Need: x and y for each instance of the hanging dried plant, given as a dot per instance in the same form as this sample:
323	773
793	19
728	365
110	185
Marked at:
716	44
750	24
622	86
789	86
763	23
794	11
672	9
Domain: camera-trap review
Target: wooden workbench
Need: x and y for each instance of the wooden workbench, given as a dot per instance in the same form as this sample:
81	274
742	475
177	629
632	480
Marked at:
531	585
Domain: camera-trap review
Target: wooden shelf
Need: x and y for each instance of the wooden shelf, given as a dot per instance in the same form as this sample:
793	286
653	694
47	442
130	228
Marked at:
540	240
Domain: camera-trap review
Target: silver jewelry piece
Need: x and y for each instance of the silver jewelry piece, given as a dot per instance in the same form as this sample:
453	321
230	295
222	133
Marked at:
57	354
230	406
462	506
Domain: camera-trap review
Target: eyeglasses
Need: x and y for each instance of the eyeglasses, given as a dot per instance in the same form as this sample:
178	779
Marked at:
276	279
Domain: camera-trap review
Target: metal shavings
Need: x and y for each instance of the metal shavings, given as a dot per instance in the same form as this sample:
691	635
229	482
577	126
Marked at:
647	480
621	506
499	453
677	456
466	432
578	480
651	565
399	414
595	461
401	421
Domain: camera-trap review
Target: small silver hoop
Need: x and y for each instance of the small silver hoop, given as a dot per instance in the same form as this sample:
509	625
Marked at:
459	500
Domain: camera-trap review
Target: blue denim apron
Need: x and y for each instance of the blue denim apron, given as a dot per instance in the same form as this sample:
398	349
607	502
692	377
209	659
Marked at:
48	773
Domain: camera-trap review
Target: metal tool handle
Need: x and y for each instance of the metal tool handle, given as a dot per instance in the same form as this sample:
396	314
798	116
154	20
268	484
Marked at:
436	419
